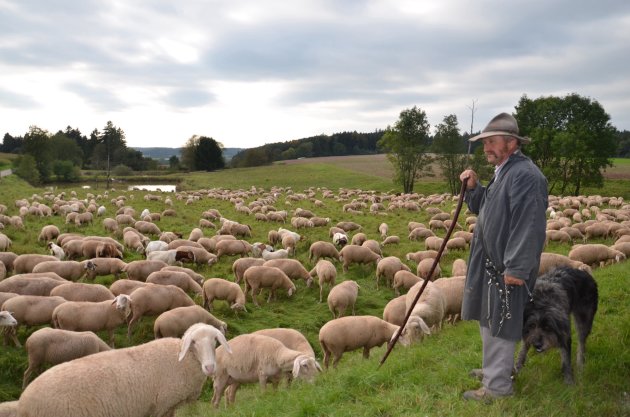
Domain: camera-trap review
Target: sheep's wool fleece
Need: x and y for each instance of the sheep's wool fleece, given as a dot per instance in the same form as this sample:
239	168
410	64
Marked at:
512	218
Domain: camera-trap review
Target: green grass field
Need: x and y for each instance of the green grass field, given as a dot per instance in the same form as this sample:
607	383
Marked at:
425	379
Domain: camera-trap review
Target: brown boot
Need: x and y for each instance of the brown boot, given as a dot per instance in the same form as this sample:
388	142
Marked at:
482	394
476	373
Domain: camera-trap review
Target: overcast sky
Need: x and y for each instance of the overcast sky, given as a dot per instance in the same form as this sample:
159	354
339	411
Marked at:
252	72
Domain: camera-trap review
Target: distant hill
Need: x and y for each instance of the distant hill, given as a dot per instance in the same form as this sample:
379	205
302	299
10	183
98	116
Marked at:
163	154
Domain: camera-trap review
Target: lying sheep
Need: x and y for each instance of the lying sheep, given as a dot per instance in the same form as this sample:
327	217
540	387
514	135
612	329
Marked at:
77	291
240	266
430	307
595	254
105	266
233	247
95	317
70	270
453	292
258	358
26	262
321	249
341	296
404	279
126	286
54	346
346	334
259	277
179	279
424	268
30	310
150	379
140	270
221	289
387	268
175	322
154	300
350	254
326	274
293	268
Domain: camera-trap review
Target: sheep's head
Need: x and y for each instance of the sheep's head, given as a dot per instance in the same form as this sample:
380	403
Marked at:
305	367
415	329
201	339
123	304
7	319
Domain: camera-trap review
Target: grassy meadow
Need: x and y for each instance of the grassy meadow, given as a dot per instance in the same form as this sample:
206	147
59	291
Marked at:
425	379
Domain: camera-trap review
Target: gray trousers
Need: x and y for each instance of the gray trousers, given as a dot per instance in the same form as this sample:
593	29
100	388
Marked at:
498	362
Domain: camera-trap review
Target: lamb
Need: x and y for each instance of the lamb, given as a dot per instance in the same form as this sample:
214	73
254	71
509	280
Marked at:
424	268
420	255
25	285
54	346
321	249
430	307
268	255
221	289
259	277
233	247
153	300
140	270
453	292
346	334
293	268
357	254
259	358
459	268
387	268
240	266
341	296
326	274
179	279
105	266
129	381
91	316
48	233
30	310
26	262
76	291
70	270
126	286
175	322
595	254
404	279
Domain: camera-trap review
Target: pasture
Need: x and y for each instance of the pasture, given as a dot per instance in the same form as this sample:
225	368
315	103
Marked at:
424	379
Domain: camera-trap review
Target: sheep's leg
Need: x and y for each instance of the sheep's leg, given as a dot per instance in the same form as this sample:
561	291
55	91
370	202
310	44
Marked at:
262	380
366	352
217	391
321	291
337	359
230	395
110	332
32	367
132	322
12	333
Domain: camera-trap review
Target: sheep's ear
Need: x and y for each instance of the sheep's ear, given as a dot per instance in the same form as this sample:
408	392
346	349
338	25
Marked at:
224	342
296	367
318	367
186	342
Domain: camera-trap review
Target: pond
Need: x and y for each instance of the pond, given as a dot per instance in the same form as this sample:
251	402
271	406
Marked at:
169	188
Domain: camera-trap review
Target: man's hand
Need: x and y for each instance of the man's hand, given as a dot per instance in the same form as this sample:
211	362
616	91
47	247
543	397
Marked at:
510	280
471	177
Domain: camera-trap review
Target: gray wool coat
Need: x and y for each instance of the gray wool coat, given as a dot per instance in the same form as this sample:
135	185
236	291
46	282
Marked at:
511	220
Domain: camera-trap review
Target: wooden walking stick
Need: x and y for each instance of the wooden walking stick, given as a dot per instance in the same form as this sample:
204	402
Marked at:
392	343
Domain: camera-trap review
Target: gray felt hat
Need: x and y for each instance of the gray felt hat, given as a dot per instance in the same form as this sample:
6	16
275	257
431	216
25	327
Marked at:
501	125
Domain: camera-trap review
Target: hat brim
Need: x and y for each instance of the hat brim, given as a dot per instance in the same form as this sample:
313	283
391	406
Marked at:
523	139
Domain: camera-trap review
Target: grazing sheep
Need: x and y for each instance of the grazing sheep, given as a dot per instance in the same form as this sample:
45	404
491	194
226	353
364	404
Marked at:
346	334
268	255
341	296
288	242
430	307
195	235
201	256
549	261
153	300
155	245
326	274
394	312
90	316
140	270
7	258
30	310
456	243
433	243
172	256
70	270
175	322
420	255
387	268
358	239
623	247
27	285
259	277
291	338
179	279
373	245
348	226
595	254
391	240
321	249
350	254
459	268
240	266
150	379
404	279
383	229
126	286
77	291
54	346
221	289
133	241
420	233
258	358
233	247
105	266
557	236
48	233
293	268
26	262
424	268
198	278
453	292
110	225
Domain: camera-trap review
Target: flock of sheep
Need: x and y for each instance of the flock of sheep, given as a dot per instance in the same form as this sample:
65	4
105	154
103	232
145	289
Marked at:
57	290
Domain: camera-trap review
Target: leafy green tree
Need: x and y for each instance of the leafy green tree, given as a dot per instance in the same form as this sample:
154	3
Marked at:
37	144
173	163
122	171
209	155
572	140
65	149
26	168
450	151
66	171
623	144
406	145
289	153
11	144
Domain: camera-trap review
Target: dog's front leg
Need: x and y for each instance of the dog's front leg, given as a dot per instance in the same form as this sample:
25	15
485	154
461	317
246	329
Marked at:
565	355
522	356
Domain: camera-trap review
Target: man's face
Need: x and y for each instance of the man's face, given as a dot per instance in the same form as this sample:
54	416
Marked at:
498	148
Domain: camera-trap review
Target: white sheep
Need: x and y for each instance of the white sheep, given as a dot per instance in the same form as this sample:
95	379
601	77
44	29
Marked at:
268	255
595	254
431	305
350	254
326	273
453	293
150	379
175	322
90	316
78	291
30	310
171	256
424	268
259	277
341	296
70	270
459	268
404	279
340	239
240	266
221	289
177	278
140	270
54	346
387	268
258	358
155	245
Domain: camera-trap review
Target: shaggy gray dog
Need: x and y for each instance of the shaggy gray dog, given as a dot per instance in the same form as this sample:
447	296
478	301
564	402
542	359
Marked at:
557	295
